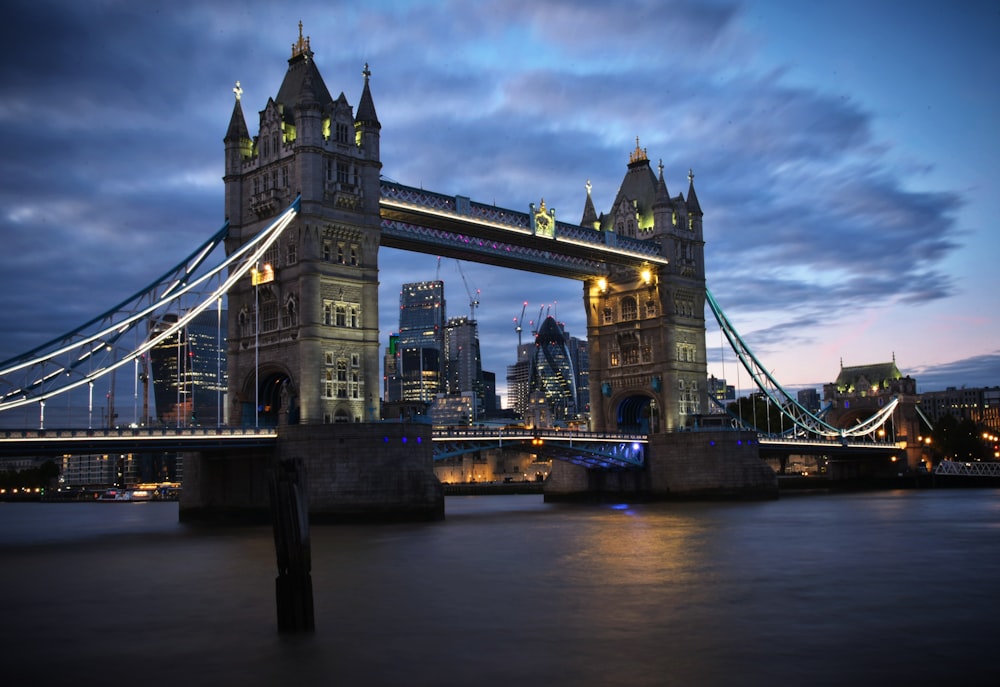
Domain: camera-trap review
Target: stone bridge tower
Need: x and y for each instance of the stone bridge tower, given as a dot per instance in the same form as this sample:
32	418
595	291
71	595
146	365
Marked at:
303	347
646	329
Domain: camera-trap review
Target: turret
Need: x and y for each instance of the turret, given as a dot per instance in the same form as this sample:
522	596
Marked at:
366	124
239	147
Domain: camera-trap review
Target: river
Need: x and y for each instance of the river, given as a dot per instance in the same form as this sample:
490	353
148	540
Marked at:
867	588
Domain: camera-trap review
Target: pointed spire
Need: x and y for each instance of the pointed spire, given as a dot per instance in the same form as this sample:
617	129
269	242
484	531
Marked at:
662	196
366	108
237	130
589	218
692	199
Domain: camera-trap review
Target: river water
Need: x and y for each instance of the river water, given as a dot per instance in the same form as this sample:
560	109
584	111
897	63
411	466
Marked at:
894	587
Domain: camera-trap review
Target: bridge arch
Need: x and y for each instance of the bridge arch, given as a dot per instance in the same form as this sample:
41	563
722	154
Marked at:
637	413
277	398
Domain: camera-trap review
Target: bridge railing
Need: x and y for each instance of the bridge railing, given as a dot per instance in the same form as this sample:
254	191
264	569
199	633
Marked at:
512	433
138	432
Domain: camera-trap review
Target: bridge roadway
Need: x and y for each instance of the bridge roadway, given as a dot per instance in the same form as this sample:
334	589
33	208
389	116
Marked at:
82	442
607	450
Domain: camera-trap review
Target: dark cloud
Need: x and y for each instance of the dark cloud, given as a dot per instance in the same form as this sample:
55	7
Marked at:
113	114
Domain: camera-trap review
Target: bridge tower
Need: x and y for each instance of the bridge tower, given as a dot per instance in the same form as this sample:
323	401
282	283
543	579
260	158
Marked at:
303	345
646	329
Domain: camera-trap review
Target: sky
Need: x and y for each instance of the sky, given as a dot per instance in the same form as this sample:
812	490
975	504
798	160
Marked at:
844	155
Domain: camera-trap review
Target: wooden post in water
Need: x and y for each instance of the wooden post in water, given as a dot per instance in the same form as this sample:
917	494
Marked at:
290	517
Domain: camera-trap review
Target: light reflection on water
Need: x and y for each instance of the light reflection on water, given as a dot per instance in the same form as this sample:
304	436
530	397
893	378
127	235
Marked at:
820	590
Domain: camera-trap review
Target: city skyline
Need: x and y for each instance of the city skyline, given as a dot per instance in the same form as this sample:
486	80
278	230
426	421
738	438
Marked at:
845	221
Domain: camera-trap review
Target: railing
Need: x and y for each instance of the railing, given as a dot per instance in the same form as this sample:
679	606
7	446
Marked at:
970	469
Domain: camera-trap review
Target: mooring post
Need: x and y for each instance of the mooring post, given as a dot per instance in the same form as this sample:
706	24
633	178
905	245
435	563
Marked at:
290	517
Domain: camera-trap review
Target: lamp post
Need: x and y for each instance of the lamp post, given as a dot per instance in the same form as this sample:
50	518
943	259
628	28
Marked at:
258	277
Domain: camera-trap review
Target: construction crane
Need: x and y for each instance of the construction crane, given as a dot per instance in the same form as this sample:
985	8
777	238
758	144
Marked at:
473	300
519	322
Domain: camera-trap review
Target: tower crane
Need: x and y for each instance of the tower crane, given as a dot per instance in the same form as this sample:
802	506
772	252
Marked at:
519	322
473	300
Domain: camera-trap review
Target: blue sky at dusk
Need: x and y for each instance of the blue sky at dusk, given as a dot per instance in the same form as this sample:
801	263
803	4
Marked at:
844	154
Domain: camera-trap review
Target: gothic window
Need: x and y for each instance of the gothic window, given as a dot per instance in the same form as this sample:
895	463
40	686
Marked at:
650	308
284	177
628	308
271	256
274	143
354	254
327	251
614	359
609	315
327	313
329	170
341	132
292	253
268	311
341	316
343	174
341	378
355	360
328	384
289	314
647	352
354	318
340	253
355	384
266	150
630	353
329	358
256	185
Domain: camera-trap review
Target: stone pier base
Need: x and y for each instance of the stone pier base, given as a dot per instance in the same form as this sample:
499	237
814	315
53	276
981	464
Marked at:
683	465
353	472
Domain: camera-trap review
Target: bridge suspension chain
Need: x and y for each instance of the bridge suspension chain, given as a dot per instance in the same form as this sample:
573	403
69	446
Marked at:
804	420
84	354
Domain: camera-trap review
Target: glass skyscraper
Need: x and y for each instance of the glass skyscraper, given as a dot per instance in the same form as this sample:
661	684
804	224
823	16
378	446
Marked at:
420	350
552	371
189	371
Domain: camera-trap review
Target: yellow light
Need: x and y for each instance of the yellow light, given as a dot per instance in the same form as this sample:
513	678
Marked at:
602	284
647	275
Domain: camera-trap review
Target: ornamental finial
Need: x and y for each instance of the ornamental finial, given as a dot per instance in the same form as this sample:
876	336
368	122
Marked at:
238	90
301	47
638	155
366	72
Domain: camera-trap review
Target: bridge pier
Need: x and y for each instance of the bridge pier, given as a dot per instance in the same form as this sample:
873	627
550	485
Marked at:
721	464
357	472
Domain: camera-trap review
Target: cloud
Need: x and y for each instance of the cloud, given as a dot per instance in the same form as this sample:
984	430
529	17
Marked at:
112	124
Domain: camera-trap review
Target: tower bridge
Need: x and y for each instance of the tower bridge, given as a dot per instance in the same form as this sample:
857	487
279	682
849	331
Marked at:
307	209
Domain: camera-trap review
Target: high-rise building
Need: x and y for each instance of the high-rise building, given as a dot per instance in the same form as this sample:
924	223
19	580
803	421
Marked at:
419	364
519	379
552	370
463	368
189	371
